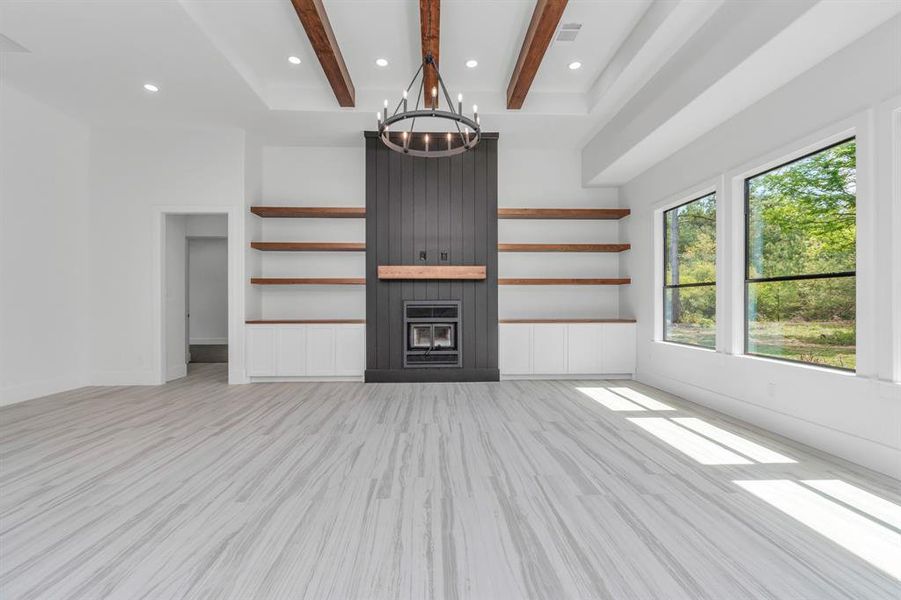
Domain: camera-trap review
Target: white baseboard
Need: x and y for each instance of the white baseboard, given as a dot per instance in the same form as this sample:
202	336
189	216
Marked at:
38	389
861	451
208	341
565	376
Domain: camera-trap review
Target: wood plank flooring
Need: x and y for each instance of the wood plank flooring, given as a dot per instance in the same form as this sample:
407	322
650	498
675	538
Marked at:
510	490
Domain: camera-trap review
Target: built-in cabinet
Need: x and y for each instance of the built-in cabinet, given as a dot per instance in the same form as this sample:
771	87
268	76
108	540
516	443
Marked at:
525	349
547	349
305	350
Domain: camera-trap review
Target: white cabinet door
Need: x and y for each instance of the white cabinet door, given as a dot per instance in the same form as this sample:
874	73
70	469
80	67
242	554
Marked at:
320	350
618	348
260	351
549	348
291	351
583	348
350	348
515	348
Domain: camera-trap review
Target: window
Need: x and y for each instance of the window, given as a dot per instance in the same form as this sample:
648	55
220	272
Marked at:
800	259
689	267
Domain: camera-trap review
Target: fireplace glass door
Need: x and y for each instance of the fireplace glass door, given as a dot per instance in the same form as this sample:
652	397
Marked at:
438	336
443	336
420	337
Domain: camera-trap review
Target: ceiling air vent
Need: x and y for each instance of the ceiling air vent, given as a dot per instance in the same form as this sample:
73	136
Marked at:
568	32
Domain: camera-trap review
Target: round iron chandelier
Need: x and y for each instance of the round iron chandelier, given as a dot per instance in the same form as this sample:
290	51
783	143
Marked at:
463	132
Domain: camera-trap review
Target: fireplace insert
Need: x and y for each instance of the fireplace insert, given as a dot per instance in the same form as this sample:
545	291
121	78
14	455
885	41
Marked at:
432	331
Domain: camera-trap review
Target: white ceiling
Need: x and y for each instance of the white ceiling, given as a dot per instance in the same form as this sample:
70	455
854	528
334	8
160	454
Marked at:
224	63
258	35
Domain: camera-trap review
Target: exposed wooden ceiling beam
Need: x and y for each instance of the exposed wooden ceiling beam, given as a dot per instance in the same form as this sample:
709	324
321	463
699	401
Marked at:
430	28
315	22
538	37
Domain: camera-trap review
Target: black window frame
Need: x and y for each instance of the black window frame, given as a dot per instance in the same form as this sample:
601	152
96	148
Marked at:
748	280
670	286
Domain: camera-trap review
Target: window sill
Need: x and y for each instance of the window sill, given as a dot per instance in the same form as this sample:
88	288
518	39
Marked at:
762	359
669	344
798	365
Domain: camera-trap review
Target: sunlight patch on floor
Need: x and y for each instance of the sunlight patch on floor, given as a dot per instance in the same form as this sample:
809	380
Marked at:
733	441
642	399
862	500
874	543
609	399
697	447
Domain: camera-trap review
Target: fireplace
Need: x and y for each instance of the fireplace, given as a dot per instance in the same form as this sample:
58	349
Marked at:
431	262
432	333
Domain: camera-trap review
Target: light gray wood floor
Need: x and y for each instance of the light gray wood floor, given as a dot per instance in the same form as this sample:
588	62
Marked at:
344	490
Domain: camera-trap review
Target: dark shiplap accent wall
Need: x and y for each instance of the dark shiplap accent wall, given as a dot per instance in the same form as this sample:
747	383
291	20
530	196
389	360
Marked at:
431	204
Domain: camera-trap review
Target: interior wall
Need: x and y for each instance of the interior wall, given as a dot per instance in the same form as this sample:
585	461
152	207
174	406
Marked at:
550	177
206	226
207	289
135	174
253	226
43	248
858	416
312	176
175	296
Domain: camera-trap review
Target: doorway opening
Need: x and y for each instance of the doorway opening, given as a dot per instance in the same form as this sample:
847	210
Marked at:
195	307
207	295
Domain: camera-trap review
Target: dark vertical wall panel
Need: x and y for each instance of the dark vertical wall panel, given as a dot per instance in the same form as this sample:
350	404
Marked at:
434	205
371	234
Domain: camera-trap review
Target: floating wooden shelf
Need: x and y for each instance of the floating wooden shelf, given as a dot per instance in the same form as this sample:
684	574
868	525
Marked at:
308	280
431	272
566	321
563	213
309	246
310	212
305	321
565	281
563	247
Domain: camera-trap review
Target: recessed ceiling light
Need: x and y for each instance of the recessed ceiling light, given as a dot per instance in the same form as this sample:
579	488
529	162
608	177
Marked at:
381	62
575	65
472	63
294	60
151	88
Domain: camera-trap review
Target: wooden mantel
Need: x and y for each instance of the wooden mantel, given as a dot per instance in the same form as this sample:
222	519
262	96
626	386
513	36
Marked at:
431	272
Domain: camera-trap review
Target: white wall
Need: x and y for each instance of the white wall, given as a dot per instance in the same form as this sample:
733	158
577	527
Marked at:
136	173
542	178
312	176
43	248
253	226
207	289
175	257
854	416
206	226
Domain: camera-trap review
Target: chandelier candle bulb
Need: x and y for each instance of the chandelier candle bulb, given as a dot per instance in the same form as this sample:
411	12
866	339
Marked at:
475	112
453	119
